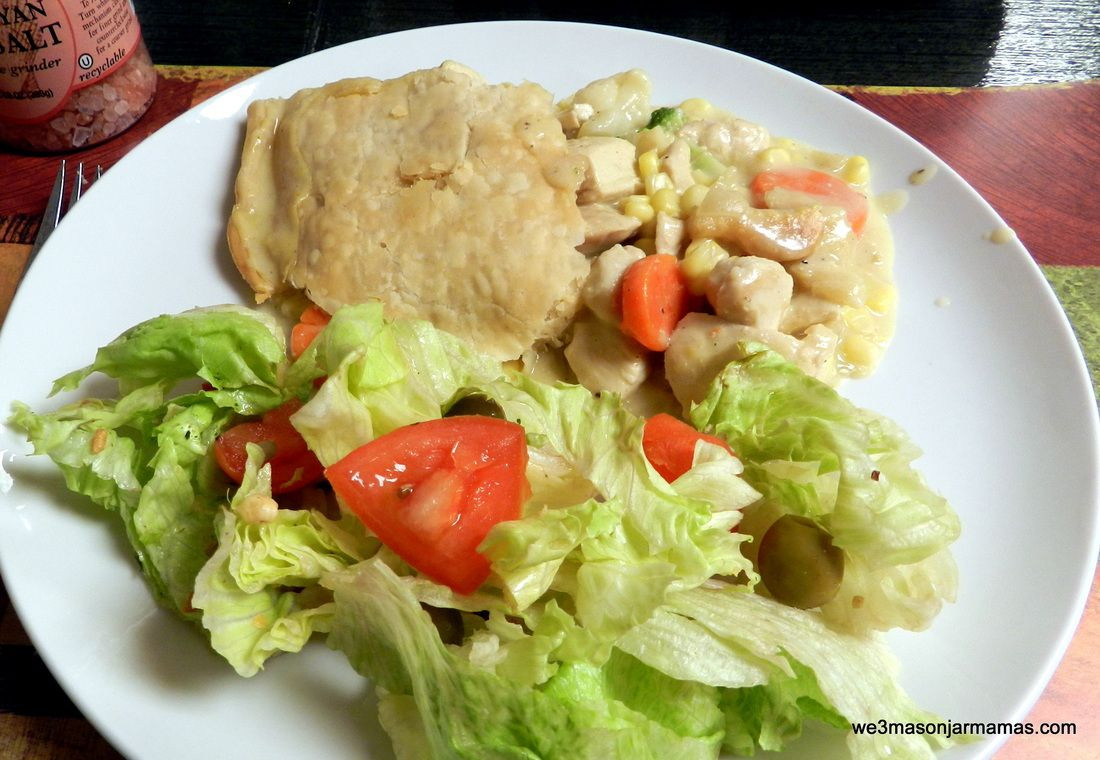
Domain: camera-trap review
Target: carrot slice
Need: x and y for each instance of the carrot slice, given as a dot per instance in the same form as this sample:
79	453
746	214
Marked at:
314	315
301	335
655	298
310	324
832	191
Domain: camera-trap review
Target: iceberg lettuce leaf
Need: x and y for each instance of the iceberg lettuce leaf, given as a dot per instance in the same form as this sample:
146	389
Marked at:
468	712
259	592
379	376
812	452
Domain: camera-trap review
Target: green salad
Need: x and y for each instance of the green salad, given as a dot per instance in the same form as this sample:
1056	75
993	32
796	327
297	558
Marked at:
519	569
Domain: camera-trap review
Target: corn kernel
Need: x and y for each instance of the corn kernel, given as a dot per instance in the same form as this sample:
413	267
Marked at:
639	207
667	201
696	108
692	197
699	259
646	244
773	157
657	139
859	352
856	171
649	163
703	178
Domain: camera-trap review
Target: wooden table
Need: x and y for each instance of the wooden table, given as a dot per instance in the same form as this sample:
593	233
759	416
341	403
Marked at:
999	138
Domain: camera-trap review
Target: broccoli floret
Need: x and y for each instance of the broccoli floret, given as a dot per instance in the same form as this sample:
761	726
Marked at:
669	118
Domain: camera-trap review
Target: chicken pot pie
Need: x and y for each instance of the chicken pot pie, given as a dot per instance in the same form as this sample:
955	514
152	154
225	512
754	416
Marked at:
447	198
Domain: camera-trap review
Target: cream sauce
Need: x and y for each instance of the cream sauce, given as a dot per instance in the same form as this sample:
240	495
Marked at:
1001	235
922	175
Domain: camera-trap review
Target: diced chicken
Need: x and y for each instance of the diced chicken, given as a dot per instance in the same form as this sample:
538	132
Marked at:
603	359
778	234
703	344
728	138
677	165
601	290
573	116
817	353
604	226
768	233
750	290
806	310
668	234
609	171
829	271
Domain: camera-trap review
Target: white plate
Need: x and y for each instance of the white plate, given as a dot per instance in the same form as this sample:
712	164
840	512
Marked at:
992	387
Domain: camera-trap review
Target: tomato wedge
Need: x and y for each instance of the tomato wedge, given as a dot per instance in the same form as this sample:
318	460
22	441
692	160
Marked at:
432	491
669	445
293	465
310	324
832	191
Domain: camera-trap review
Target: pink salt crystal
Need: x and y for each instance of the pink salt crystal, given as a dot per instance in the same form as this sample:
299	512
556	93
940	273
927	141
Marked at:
80	136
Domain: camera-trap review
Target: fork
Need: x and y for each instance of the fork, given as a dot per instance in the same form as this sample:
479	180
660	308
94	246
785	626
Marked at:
56	209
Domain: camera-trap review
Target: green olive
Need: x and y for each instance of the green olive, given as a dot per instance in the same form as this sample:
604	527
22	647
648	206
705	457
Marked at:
476	404
799	564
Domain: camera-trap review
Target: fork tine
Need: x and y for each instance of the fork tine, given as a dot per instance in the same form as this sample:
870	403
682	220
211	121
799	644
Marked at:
55	206
78	186
52	216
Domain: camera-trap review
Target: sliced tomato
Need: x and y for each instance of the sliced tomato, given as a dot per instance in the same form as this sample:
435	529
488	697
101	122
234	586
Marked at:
293	465
669	445
831	191
432	491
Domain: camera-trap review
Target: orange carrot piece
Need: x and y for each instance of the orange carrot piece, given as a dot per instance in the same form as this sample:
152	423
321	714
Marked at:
301	335
314	315
655	298
310	324
832	191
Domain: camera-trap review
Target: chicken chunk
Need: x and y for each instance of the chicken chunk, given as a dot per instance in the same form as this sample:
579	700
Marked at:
806	310
817	353
609	168
703	344
778	234
750	290
830	271
603	359
604	226
677	165
601	290
669	234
